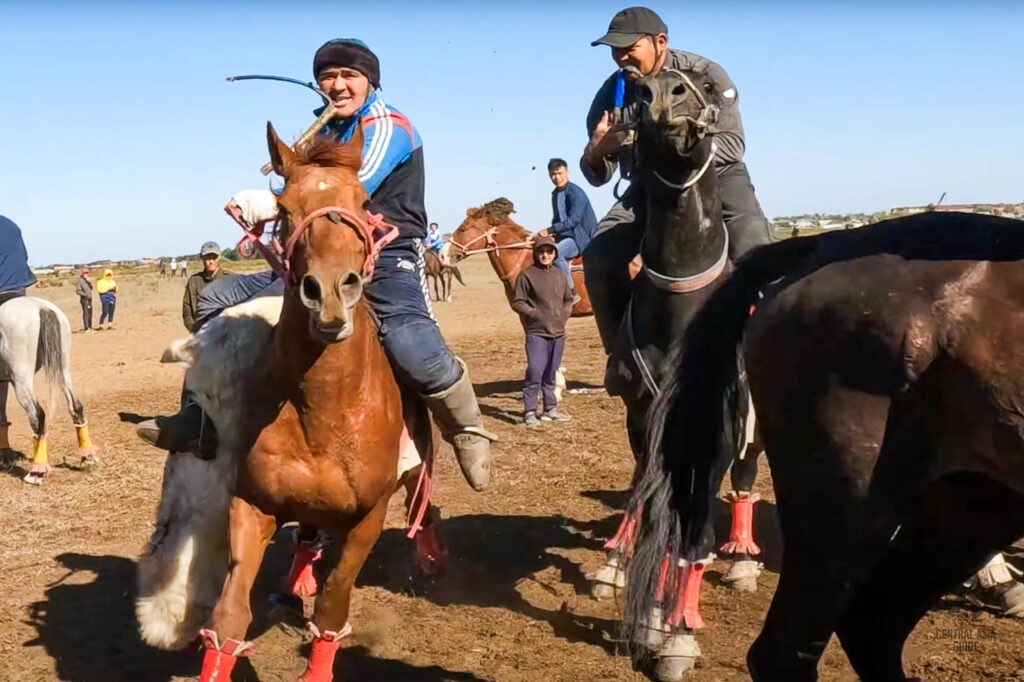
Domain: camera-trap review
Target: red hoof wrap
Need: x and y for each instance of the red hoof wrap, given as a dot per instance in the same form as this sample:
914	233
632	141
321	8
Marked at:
626	534
687	609
741	537
321	659
430	552
220	658
301	582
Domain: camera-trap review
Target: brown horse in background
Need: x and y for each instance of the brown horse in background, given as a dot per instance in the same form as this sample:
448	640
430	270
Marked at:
489	230
440	273
327	426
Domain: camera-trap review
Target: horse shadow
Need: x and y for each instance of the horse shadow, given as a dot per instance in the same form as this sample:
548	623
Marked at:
503	388
131	418
89	628
489	557
90	631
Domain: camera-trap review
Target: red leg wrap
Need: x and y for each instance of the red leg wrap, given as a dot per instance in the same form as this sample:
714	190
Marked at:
741	538
321	661
301	581
220	659
429	551
687	609
626	534
659	592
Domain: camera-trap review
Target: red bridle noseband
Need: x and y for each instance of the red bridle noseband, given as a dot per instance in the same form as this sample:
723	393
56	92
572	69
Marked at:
373	231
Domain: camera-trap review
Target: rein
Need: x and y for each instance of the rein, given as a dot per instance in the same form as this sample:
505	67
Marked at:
373	231
492	246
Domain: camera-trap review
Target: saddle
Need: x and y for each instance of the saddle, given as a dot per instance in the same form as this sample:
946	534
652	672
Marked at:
576	264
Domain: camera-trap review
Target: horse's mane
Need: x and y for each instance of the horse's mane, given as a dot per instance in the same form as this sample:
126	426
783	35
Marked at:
326	151
497	212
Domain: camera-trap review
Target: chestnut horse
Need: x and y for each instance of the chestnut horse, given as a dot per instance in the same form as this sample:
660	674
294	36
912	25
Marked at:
489	230
327	424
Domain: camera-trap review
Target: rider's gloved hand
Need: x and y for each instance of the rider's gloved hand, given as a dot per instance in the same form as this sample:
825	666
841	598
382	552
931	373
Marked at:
257	205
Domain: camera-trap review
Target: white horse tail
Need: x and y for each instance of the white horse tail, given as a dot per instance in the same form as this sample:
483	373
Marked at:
54	356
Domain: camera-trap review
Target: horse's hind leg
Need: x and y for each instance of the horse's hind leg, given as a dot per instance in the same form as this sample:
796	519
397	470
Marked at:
745	568
251	531
86	450
24	392
959	524
330	616
5	424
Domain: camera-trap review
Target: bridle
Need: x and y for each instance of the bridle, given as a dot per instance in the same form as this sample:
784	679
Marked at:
374	232
491	245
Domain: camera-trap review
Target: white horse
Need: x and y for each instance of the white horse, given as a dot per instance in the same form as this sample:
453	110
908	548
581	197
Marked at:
35	335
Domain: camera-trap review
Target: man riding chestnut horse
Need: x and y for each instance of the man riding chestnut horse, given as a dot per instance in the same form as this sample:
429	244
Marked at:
348	73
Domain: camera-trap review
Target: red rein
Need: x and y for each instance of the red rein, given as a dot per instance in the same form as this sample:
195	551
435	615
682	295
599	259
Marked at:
375	233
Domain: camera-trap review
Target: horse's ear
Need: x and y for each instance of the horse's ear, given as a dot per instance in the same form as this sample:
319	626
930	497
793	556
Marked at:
282	158
354	149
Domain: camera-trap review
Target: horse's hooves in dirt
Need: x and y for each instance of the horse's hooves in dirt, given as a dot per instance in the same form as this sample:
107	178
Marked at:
88	461
656	630
607	580
33	478
677	656
742	575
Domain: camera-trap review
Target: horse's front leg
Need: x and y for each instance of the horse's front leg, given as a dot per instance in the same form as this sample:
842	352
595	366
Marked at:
251	531
330	616
745	567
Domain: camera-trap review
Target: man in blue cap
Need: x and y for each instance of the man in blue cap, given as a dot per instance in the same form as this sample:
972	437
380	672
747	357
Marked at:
393	175
638	38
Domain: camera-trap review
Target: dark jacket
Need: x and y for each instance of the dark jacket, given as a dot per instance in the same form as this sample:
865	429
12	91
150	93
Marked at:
579	222
15	274
84	288
190	301
543	300
727	131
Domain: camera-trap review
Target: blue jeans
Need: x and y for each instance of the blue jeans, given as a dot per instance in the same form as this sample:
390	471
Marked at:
398	297
567	250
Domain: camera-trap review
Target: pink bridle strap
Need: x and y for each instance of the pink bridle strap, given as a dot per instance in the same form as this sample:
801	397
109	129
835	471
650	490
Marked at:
375	233
253	235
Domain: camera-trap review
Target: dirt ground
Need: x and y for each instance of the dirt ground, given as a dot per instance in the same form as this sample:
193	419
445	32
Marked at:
513	605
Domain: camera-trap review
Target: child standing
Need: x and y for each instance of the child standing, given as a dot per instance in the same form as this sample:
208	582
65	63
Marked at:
84	291
544	301
107	288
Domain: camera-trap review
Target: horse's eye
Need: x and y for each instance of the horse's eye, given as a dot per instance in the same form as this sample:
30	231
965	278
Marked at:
709	86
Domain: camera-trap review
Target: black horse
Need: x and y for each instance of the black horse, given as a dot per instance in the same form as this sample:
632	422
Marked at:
886	364
685	257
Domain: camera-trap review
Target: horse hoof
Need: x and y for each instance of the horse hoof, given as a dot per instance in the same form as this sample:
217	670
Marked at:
33	479
656	630
88	461
742	575
608	579
677	656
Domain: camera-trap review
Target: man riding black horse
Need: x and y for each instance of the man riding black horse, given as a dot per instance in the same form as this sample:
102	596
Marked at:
639	43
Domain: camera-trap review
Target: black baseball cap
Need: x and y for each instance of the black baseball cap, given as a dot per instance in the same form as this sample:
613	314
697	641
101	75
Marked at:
630	25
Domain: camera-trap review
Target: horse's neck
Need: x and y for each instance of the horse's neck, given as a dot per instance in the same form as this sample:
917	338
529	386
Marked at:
685	234
508	259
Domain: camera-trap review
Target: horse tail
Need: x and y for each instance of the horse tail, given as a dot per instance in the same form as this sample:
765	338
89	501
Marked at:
693	424
458	275
54	358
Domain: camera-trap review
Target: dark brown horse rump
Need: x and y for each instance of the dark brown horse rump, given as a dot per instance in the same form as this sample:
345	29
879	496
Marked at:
886	368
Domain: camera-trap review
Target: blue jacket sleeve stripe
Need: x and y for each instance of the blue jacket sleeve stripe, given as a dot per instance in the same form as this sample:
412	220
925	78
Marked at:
375	146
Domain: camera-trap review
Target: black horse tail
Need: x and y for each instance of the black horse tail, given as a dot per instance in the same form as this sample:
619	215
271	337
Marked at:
693	424
458	275
50	354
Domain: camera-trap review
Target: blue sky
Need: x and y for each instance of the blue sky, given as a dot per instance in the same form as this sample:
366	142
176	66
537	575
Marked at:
120	138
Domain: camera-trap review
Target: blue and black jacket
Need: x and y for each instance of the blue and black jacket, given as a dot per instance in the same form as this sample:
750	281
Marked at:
392	171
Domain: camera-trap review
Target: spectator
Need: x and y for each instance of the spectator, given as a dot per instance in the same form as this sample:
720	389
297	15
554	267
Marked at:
107	289
163	268
210	255
573	223
544	301
433	239
183	267
84	291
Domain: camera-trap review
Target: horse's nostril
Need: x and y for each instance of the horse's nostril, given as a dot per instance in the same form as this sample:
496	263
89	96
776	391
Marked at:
679	90
311	289
351	281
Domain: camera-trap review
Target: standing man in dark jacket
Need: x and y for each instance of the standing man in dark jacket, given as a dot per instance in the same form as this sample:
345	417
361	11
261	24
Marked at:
210	255
544	303
573	222
639	39
84	290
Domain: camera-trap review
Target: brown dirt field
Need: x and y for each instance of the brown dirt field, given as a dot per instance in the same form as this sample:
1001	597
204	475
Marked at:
514	604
